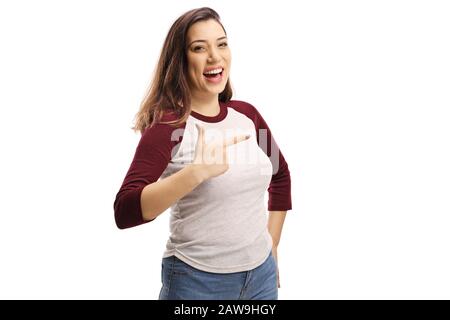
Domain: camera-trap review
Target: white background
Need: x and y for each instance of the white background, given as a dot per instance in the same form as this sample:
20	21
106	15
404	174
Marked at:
356	94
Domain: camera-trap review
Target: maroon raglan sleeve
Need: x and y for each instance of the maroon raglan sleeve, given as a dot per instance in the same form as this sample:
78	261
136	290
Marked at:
151	158
280	184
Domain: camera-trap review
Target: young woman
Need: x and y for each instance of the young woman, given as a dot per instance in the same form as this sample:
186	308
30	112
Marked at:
210	159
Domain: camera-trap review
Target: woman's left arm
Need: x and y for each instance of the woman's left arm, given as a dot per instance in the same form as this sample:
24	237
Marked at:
280	184
275	226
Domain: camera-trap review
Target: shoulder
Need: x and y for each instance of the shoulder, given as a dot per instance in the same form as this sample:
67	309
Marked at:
162	133
242	107
248	110
162	125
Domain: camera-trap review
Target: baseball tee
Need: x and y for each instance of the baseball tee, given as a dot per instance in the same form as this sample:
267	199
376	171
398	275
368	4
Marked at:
221	225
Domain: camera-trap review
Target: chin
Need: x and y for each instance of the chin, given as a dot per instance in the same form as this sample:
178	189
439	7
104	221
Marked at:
217	90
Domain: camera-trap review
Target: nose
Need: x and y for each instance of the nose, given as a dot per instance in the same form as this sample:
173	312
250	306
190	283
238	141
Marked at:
214	55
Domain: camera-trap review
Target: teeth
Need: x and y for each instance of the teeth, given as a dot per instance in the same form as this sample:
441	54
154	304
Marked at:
215	71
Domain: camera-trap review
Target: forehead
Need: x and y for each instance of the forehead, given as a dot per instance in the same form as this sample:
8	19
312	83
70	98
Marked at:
209	29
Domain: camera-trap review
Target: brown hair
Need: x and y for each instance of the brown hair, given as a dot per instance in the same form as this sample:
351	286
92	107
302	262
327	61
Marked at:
169	90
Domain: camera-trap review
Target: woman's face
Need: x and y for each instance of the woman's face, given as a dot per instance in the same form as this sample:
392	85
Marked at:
207	51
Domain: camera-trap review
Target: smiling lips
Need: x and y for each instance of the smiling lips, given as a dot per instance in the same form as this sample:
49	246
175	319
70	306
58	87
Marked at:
213	74
208	69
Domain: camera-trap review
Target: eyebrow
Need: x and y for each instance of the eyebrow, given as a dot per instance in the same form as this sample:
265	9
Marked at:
224	37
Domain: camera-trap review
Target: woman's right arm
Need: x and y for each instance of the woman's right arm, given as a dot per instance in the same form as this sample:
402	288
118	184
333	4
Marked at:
142	197
159	196
151	158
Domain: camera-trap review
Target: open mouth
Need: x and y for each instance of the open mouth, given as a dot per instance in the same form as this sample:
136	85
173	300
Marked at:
214	75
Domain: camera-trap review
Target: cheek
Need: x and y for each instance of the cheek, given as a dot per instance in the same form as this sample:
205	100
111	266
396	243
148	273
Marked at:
195	70
192	65
193	73
197	75
227	56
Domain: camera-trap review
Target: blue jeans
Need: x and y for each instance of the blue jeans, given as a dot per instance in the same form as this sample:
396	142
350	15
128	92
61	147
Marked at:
180	281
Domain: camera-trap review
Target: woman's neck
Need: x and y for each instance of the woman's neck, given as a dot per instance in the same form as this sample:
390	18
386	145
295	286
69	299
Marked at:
206	106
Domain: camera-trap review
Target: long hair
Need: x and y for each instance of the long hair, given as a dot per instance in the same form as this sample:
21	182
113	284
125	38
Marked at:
169	89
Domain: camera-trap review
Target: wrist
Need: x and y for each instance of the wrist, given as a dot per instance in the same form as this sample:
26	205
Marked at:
197	173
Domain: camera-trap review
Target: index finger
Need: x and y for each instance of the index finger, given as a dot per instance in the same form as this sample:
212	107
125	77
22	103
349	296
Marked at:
236	139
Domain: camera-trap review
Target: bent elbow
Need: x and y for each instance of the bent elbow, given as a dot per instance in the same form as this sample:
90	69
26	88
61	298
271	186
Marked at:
127	209
120	215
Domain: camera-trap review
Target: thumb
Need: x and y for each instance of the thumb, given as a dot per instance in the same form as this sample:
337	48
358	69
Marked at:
200	142
201	134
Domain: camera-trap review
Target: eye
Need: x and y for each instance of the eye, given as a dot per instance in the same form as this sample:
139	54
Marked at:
223	45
